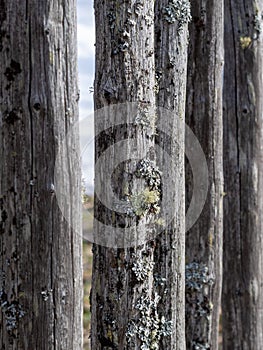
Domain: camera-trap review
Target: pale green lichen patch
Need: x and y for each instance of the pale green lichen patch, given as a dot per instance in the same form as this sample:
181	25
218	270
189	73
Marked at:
160	222
245	41
146	202
178	11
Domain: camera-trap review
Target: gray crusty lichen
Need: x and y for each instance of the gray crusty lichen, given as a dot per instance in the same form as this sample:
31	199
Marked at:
197	276
145	118
120	35
12	312
257	22
178	11
121	28
142	267
199	346
46	294
148	327
150	173
198	283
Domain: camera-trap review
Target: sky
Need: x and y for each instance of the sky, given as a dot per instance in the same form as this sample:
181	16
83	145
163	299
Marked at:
86	63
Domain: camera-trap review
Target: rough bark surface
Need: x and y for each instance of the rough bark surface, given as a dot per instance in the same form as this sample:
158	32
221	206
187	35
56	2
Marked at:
242	300
204	117
41	273
123	302
171	66
127	304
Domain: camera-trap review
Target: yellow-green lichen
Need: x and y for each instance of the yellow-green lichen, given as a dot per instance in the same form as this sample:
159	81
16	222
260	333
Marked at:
145	202
160	222
245	41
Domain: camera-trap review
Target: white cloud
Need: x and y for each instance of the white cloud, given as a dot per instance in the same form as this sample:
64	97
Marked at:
86	41
86	56
85	79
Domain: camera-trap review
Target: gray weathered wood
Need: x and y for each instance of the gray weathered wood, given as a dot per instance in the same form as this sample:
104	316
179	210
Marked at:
204	117
242	302
129	311
41	274
171	43
124	73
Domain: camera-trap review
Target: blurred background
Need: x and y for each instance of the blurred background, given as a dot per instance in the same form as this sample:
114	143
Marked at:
86	63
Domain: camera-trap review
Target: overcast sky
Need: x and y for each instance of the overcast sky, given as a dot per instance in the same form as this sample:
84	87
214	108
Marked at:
86	54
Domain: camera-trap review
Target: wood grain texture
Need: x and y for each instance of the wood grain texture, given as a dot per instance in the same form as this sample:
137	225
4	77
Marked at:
124	73
204	117
128	71
171	41
242	300
41	273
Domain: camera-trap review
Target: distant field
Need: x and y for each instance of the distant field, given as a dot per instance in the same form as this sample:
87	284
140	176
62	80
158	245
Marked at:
87	262
87	269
